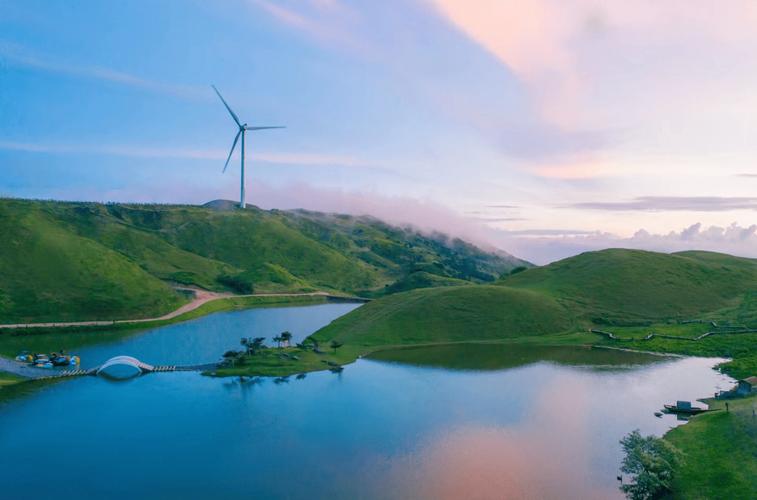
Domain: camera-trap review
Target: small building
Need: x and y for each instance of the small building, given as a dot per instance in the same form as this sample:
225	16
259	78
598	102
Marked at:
746	386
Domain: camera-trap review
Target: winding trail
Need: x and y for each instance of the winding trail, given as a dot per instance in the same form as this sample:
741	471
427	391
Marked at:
200	297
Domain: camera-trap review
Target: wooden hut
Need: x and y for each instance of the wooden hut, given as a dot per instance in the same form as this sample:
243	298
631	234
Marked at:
746	386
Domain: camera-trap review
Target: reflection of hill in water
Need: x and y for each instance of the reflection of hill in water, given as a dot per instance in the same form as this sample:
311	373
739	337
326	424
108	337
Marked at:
502	356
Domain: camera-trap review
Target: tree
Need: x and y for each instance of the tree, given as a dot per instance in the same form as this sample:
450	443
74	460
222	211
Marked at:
286	337
652	462
336	345
258	343
245	343
252	345
278	341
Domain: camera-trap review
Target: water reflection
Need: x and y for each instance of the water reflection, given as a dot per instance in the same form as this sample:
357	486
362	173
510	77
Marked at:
204	340
501	356
542	425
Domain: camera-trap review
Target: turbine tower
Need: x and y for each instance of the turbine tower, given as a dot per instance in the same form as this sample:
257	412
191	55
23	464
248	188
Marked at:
243	128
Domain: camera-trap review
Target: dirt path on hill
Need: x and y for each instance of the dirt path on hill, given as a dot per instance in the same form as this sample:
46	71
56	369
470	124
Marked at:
200	297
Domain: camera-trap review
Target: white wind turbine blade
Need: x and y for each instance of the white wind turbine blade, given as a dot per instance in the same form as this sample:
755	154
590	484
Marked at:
232	150
261	128
233	115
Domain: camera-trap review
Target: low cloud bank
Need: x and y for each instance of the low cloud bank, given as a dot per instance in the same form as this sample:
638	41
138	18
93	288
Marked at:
545	248
539	246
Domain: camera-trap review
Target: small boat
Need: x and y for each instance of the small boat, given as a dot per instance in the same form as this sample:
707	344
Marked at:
25	357
684	407
61	360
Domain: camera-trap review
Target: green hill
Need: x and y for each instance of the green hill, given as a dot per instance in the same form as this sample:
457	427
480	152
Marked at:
78	261
48	273
627	286
608	286
449	314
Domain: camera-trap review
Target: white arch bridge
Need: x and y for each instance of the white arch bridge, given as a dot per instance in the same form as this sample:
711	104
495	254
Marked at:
125	367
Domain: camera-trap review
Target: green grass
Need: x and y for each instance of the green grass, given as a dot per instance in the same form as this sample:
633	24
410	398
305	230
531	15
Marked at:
422	279
449	314
62	261
598	289
271	363
7	379
635	287
50	274
720	453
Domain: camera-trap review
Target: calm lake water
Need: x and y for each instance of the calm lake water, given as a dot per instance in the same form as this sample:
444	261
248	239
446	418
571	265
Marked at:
505	423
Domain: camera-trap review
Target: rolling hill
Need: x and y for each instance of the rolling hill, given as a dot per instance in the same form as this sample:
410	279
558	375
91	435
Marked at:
450	314
632	286
50	273
609	286
78	261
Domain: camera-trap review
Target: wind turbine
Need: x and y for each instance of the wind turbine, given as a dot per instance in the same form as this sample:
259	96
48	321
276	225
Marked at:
243	128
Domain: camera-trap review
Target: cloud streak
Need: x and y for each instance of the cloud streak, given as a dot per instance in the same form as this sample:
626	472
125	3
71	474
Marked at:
280	158
673	203
16	55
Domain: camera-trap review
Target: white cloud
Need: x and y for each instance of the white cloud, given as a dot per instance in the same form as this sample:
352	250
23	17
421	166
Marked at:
137	151
733	239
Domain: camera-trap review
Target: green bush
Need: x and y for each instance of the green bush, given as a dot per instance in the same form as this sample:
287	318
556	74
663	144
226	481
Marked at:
652	462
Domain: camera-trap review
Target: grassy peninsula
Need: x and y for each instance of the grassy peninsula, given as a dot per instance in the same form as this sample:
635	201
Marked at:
720	452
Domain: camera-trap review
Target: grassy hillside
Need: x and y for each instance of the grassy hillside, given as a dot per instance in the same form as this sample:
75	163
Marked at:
449	314
402	251
628	286
720	452
611	286
79	261
48	273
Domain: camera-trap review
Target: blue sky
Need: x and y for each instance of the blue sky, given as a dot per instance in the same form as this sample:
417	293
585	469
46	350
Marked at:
540	127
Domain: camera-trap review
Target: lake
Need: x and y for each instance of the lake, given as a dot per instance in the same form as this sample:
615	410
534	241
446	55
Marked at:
505	422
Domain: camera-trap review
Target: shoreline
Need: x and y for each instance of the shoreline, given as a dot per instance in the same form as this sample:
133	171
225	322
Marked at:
202	298
219	304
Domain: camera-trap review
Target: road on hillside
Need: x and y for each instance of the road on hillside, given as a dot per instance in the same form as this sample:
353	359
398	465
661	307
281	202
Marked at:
200	297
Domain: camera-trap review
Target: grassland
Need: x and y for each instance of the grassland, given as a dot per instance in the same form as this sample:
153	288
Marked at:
536	305
63	261
7	379
632	287
720	452
451	314
48	273
274	362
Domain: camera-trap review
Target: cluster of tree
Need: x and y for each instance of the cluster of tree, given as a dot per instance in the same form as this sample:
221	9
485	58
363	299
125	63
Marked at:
651	462
252	345
283	338
241	283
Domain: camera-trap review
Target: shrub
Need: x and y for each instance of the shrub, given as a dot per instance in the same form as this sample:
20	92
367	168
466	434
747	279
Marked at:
652	463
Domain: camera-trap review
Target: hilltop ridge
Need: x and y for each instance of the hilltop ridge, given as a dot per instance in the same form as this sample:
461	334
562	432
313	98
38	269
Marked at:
73	261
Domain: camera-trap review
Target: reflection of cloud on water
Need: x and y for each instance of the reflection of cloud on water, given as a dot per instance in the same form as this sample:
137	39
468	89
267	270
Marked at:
546	455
